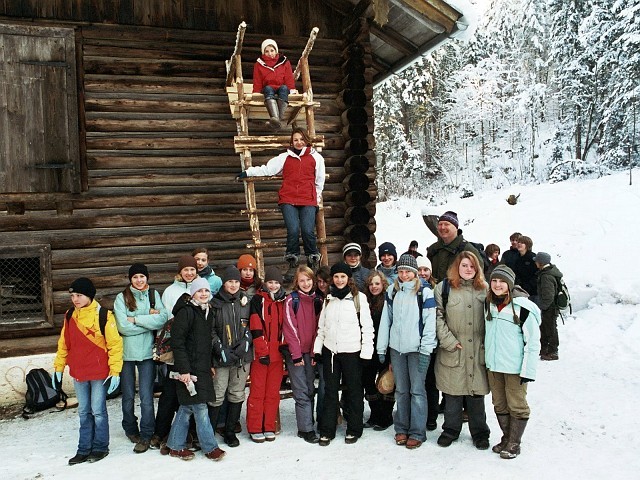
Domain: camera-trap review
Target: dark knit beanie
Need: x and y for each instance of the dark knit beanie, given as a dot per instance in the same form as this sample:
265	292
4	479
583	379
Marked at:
272	273
186	261
83	286
407	262
341	267
451	217
542	258
504	273
137	268
388	247
230	273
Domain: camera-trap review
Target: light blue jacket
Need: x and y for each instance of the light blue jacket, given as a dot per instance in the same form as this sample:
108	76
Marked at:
399	325
215	282
138	338
510	348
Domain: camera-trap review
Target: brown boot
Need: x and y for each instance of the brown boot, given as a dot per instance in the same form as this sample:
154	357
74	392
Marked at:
516	429
503	420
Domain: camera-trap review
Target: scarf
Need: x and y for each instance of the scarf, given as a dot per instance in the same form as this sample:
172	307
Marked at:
206	271
270	62
340	292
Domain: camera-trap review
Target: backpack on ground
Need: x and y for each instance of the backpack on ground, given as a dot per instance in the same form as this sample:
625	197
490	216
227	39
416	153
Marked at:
40	393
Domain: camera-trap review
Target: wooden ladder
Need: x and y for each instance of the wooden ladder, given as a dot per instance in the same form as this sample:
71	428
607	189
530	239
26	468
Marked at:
244	104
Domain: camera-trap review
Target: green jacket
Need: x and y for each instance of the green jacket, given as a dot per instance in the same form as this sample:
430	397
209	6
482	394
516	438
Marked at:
547	280
442	255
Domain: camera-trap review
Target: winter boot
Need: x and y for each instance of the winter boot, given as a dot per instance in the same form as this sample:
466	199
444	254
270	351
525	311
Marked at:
313	261
516	429
385	418
213	415
374	405
272	107
282	108
233	415
292	260
503	420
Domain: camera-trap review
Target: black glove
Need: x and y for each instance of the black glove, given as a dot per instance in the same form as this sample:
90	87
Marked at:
265	360
241	175
296	360
317	357
57	381
228	357
524	380
242	348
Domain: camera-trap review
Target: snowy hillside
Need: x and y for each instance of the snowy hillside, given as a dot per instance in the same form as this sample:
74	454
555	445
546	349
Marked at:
583	422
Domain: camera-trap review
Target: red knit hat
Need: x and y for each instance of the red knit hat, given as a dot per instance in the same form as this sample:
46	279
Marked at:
247	261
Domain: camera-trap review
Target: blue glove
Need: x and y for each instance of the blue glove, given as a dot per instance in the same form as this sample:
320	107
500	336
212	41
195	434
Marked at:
382	357
56	381
524	380
241	175
114	381
423	363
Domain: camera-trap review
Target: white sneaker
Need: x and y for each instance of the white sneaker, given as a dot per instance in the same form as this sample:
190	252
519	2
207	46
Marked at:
258	437
269	436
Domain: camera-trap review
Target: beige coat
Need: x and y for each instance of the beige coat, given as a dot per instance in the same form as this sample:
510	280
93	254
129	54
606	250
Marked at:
461	371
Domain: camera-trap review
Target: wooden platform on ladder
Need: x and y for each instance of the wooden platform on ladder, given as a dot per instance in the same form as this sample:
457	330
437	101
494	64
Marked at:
244	105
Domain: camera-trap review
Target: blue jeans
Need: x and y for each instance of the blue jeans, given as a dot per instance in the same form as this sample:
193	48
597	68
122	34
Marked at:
146	377
296	218
180	428
411	397
94	420
282	93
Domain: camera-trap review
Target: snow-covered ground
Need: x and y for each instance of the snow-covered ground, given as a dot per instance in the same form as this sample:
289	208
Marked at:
583	422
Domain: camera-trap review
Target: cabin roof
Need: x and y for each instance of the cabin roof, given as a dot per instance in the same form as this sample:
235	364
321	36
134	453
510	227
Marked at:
413	28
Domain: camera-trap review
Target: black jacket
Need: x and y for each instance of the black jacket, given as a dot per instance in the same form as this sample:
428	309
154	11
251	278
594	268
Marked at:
525	270
232	345
191	345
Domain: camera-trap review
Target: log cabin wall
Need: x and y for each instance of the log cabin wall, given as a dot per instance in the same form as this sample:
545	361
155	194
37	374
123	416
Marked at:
157	164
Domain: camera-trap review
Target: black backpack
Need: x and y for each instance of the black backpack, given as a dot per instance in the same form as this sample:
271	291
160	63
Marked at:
40	393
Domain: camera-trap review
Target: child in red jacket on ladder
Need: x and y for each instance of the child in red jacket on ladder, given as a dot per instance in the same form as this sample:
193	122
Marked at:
273	77
265	323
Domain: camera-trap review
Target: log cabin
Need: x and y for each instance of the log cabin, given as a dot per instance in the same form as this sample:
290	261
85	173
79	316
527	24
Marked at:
117	139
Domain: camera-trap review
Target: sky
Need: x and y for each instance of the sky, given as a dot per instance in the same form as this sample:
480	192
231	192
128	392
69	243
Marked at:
584	418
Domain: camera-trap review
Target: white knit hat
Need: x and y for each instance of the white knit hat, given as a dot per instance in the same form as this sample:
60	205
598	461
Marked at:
268	42
423	262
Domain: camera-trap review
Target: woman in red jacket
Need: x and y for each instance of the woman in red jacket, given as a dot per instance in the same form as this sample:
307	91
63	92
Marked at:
272	76
302	170
265	323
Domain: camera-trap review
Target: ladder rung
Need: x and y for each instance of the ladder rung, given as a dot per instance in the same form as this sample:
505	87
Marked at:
273	210
260	210
270	179
268	142
320	241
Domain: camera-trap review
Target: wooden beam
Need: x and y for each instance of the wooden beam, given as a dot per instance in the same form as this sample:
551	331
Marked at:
393	39
430	13
418	15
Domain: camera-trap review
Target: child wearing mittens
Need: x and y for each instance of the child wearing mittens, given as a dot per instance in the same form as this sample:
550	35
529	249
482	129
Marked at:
94	356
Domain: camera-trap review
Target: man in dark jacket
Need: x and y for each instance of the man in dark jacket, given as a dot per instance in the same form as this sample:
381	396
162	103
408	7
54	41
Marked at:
548	280
449	244
525	268
510	256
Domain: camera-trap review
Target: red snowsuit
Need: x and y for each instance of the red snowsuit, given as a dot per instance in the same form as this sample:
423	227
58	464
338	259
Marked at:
265	323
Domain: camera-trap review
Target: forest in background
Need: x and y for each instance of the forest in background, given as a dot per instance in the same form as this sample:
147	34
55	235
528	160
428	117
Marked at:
546	90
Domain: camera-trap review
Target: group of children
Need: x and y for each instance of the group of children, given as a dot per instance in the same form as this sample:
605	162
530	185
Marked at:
225	327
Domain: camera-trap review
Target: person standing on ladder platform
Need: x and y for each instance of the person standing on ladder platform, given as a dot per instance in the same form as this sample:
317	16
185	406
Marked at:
303	174
273	77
